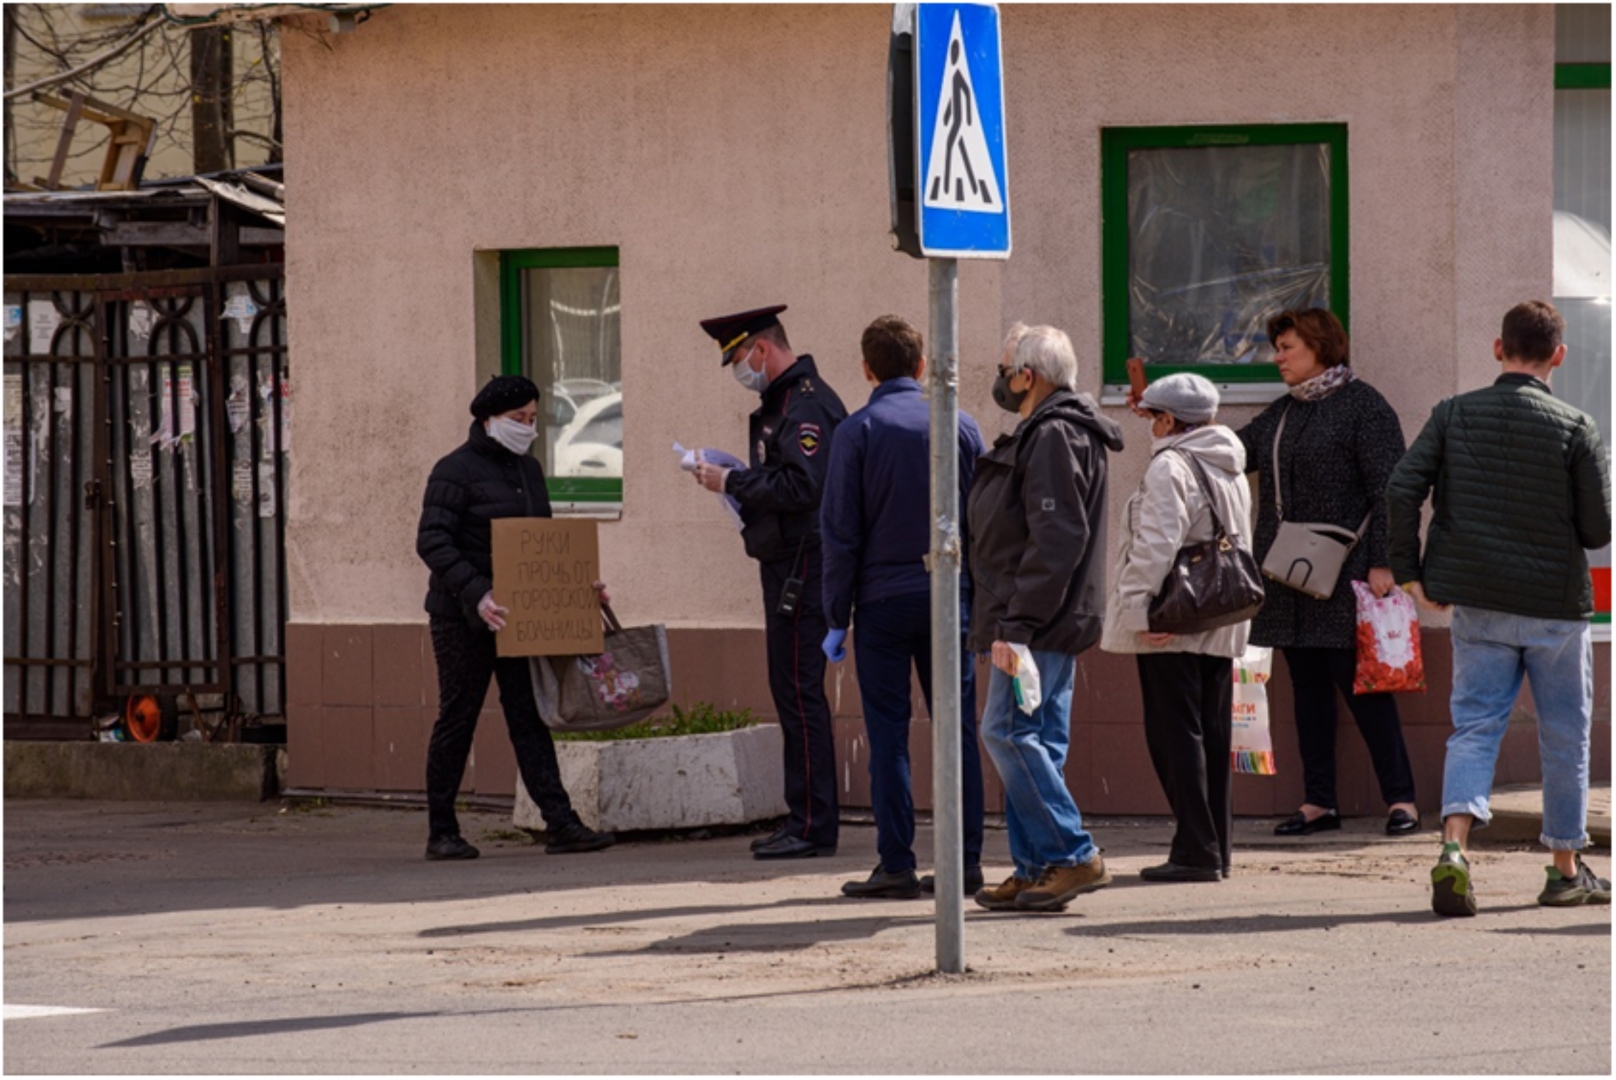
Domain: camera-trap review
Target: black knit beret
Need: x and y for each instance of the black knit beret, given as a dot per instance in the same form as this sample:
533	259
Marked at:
502	394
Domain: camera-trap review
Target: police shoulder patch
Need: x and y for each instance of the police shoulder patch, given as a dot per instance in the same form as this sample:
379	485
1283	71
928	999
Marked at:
808	439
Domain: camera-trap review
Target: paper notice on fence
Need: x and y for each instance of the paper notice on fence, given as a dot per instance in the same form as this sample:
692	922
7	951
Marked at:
13	422
544	572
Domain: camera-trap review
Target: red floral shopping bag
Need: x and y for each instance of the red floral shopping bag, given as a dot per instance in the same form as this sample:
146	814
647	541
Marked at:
1388	643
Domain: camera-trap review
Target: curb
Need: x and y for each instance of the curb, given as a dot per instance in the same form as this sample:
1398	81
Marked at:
184	771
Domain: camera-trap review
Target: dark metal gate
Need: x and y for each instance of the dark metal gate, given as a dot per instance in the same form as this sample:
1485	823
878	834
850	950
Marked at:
147	422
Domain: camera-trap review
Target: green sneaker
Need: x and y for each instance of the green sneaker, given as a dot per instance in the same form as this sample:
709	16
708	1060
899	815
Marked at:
1451	893
1581	888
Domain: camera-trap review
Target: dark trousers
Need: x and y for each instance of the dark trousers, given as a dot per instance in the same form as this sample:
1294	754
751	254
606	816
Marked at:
1189	717
1316	674
888	636
466	659
797	682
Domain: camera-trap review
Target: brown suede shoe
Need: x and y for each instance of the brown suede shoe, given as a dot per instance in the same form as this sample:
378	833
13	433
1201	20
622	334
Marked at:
1002	897
1059	884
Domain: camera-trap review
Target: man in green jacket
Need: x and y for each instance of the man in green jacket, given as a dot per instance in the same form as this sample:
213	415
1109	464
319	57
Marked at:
1521	492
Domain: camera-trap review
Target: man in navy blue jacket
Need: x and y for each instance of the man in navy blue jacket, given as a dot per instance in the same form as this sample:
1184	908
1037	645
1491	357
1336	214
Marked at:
875	520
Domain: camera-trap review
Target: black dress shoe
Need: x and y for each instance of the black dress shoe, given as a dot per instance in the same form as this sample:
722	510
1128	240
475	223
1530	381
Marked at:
1172	871
973	882
793	847
898	885
765	841
1298	825
576	837
450	847
1401	823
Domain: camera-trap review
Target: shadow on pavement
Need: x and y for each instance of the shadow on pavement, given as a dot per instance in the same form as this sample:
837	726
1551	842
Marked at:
242	1029
1275	924
770	937
566	922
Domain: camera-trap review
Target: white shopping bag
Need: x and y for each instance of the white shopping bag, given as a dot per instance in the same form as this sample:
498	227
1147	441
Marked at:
1252	749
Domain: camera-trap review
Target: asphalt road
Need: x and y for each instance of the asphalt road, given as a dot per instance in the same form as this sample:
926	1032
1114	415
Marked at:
231	938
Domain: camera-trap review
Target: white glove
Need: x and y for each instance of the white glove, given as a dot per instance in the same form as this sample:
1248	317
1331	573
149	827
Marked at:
491	613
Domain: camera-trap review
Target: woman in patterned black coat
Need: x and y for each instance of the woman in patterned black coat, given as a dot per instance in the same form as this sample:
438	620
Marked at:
1339	445
491	475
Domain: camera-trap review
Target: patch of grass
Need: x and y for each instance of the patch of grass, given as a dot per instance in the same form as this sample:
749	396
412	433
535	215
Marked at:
700	719
516	835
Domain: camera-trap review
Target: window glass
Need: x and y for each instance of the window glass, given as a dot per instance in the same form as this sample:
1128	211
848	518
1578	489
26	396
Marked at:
1207	232
1222	237
1582	267
567	338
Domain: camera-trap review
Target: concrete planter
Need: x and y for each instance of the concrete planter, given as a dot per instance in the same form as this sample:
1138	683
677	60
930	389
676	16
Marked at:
678	782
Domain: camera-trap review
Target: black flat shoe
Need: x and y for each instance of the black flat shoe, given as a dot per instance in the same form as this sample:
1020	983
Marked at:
792	847
897	885
450	847
1298	825
1401	823
578	837
1172	871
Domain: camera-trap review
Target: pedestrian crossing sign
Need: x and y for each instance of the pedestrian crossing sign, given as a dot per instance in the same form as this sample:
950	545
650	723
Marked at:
962	187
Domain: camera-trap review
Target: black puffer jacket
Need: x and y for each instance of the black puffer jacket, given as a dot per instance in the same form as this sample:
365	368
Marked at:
1335	454
1521	491
470	487
1036	520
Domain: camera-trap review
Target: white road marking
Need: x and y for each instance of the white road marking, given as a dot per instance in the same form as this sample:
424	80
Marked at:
28	1012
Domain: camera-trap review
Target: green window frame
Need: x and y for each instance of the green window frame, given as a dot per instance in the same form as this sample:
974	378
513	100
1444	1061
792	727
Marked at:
600	492
1115	146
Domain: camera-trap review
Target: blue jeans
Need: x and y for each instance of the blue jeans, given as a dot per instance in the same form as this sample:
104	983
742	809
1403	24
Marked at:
1044	824
1491	651
888	636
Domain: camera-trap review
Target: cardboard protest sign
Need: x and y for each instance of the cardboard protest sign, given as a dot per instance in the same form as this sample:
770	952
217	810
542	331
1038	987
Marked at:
544	572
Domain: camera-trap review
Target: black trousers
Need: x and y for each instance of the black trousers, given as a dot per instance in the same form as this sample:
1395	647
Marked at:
797	682
1316	674
466	658
1189	717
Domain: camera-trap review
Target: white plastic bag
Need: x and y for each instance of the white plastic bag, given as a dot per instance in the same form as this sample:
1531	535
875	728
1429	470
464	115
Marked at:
1251	749
1029	691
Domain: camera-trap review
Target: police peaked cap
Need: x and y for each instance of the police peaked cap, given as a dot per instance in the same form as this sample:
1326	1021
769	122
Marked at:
502	394
730	330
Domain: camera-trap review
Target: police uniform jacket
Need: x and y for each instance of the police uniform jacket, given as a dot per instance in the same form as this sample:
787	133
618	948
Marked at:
790	454
468	489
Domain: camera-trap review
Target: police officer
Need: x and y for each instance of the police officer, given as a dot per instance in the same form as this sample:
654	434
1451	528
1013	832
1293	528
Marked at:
779	498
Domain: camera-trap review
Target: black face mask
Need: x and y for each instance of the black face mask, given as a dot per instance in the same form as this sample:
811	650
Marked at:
1006	398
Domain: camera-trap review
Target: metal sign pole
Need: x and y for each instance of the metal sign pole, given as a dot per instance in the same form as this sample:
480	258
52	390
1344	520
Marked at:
945	614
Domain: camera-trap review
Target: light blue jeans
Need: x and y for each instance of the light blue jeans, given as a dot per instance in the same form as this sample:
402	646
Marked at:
1491	651
1043	821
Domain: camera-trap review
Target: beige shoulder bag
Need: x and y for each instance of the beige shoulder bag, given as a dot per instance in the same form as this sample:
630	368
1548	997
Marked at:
1306	555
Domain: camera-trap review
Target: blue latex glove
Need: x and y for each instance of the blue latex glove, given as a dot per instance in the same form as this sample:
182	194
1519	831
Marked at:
833	647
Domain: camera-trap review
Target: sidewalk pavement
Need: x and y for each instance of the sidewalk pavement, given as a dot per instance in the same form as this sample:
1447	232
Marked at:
244	938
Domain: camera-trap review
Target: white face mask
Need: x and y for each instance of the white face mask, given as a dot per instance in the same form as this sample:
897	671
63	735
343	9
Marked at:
512	435
755	381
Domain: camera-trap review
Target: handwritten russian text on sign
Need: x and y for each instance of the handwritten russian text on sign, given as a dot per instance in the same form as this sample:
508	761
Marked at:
544	572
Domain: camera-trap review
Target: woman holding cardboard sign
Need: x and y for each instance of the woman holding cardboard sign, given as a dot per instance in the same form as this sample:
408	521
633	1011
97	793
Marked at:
490	476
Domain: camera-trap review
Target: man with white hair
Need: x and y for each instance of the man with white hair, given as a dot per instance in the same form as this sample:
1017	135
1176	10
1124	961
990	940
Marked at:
1036	523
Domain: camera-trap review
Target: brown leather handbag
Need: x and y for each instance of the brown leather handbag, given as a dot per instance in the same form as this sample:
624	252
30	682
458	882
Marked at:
1211	584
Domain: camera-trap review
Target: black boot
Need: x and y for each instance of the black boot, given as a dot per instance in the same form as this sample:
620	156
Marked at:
576	837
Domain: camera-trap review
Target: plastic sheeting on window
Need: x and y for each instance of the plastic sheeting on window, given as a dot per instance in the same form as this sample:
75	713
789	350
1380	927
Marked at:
1220	239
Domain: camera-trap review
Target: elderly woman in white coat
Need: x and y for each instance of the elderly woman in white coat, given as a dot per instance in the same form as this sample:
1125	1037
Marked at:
1187	679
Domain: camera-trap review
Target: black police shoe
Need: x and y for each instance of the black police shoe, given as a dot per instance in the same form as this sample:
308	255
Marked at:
793	847
577	837
773	838
450	847
1172	871
973	882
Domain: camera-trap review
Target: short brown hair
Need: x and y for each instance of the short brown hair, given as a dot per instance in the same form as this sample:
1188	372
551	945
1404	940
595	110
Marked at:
1319	330
1532	331
892	348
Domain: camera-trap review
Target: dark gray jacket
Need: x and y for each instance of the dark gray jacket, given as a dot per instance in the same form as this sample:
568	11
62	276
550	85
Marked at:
1521	491
1036	521
1335	455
